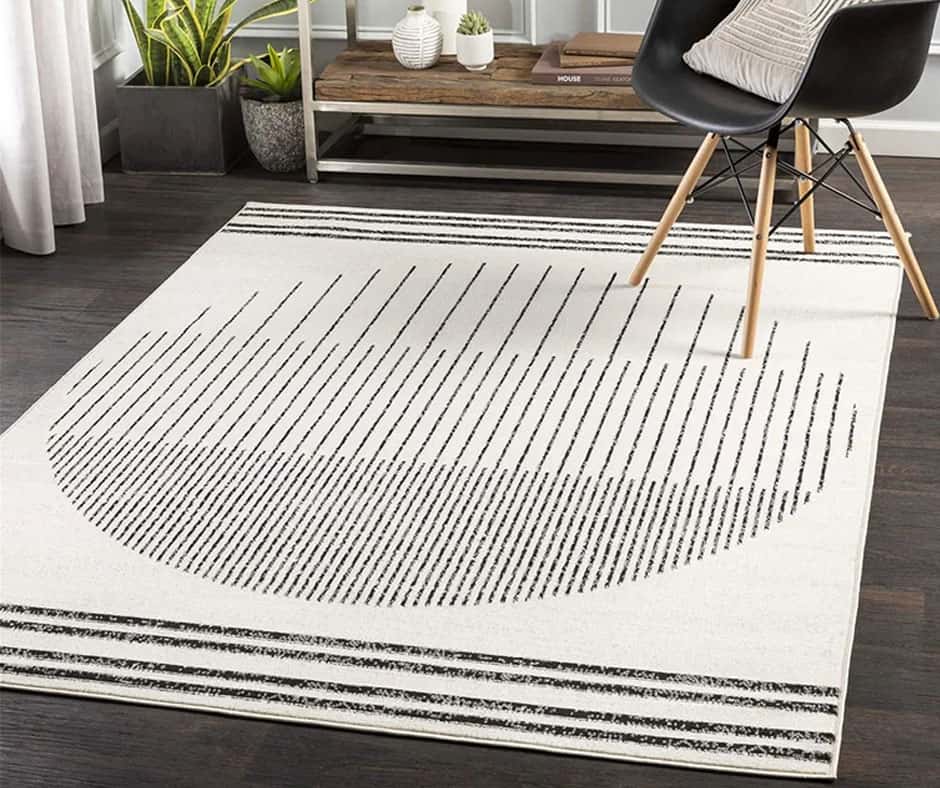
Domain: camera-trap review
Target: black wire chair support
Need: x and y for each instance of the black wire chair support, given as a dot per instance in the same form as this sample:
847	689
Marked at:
835	160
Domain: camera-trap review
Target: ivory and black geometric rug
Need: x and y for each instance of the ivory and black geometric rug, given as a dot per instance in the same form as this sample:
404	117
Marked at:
449	475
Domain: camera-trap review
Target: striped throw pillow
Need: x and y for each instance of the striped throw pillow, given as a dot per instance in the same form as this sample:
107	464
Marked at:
763	45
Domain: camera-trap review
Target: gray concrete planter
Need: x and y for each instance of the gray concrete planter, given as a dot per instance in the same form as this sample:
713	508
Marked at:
179	129
275	131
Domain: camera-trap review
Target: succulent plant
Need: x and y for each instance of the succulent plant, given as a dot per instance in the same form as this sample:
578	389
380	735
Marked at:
473	23
278	78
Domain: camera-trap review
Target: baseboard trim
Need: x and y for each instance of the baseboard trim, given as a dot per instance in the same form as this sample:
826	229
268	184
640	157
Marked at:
890	137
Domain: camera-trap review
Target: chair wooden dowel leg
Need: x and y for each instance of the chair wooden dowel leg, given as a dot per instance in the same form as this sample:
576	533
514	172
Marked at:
762	215
676	204
804	162
893	225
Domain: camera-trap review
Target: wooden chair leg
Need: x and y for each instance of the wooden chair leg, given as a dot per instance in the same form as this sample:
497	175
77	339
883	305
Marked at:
804	162
676	204
893	225
762	215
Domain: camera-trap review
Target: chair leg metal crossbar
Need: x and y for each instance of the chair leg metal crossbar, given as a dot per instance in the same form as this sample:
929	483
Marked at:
810	179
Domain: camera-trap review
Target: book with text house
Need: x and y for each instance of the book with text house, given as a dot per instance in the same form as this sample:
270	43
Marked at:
548	71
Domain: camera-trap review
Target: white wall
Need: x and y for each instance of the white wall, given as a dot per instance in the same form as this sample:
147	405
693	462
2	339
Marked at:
912	128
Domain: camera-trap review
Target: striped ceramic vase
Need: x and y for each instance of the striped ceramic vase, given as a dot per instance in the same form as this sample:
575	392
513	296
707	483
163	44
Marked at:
417	39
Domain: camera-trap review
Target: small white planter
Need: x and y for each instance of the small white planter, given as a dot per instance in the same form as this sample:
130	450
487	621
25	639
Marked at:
475	53
417	39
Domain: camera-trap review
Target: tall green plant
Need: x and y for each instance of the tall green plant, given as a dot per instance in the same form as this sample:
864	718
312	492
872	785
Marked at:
189	42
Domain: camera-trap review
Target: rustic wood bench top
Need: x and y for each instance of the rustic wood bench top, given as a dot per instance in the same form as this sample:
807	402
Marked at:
369	72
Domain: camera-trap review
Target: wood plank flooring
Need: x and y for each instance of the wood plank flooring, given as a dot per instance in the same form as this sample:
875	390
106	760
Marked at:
56	309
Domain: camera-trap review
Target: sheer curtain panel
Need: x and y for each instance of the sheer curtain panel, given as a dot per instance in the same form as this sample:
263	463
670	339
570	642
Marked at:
50	163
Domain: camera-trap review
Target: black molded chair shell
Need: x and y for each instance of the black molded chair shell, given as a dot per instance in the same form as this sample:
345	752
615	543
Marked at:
867	59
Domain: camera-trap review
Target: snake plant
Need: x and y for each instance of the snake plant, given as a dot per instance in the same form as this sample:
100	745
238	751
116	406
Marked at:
189	42
473	23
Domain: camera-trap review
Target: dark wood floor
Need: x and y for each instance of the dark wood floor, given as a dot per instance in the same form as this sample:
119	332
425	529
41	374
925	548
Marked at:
56	309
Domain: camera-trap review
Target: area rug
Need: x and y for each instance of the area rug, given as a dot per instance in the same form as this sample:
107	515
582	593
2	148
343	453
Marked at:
448	475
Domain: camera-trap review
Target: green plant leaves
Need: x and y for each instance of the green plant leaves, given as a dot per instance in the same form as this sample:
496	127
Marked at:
215	31
278	74
185	47
473	23
140	36
189	42
205	11
188	22
267	11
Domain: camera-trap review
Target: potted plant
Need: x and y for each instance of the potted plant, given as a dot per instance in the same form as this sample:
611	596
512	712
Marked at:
474	41
181	111
273	112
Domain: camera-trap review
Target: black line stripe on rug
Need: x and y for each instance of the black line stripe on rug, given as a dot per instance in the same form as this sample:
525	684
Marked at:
609	226
811	707
441	699
801	471
750	685
786	435
732	234
100	378
454	239
568	234
832	424
81	380
592	734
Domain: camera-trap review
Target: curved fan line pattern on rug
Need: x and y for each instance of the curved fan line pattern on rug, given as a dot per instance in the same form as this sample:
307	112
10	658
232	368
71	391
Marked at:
531	445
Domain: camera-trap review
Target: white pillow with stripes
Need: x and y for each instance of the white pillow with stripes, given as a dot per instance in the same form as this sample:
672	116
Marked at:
763	45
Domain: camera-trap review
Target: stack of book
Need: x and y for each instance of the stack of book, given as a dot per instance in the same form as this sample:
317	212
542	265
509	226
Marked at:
588	59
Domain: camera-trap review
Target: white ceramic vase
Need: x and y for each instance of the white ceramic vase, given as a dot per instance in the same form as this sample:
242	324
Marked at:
448	14
416	39
475	53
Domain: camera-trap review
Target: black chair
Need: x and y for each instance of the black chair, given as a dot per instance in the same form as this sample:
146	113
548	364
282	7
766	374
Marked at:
867	59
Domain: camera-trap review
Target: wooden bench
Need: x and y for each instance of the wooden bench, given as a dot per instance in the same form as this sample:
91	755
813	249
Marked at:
377	96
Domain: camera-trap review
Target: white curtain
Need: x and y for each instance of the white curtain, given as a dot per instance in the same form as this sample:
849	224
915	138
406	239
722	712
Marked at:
50	163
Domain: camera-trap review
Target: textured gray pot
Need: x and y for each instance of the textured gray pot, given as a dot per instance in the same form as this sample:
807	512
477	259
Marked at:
179	129
275	131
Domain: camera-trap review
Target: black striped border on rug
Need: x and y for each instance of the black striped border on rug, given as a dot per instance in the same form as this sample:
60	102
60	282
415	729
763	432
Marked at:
405	227
54	617
78	669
